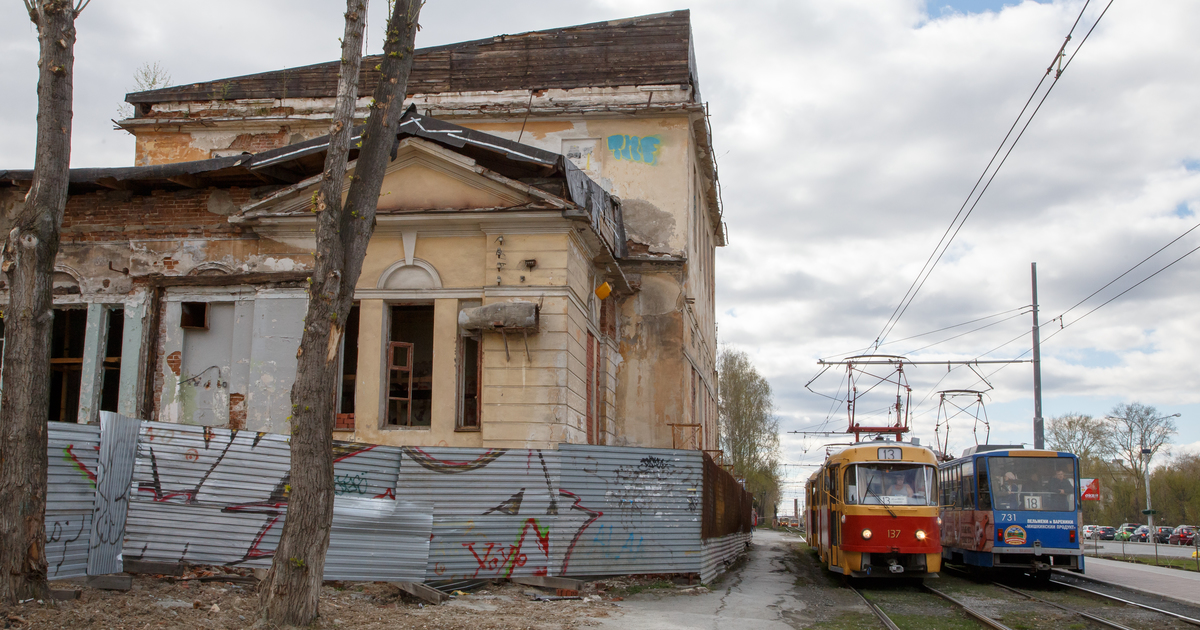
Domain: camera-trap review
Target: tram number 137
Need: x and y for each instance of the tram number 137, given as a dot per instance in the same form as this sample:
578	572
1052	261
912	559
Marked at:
890	453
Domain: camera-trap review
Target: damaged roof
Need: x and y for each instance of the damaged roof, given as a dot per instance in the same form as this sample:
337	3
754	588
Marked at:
647	50
295	163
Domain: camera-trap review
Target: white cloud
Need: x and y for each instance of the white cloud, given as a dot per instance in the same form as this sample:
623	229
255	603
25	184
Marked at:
849	132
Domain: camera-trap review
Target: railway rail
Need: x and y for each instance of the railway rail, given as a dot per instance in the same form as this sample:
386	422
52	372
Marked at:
990	622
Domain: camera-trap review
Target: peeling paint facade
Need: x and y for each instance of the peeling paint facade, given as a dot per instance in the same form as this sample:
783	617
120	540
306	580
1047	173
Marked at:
206	270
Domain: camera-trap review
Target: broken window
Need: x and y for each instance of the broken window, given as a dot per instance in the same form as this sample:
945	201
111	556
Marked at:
410	366
66	363
110	387
346	386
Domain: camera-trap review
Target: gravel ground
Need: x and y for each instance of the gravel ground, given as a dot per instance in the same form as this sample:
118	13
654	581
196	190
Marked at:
158	602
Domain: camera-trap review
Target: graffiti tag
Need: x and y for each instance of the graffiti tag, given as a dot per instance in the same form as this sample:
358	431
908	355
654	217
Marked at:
635	149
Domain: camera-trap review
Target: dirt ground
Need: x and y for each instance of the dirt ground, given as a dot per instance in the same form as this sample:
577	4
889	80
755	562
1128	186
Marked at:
161	602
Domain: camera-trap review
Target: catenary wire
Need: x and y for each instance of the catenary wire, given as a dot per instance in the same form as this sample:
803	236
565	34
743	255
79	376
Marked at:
943	243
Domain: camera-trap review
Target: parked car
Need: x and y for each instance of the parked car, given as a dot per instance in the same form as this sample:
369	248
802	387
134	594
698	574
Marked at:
1162	534
1141	534
1089	531
1125	532
1183	535
1106	532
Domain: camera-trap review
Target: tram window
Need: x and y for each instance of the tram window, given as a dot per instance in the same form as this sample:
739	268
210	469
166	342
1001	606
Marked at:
969	486
1042	484
985	497
952	484
890	484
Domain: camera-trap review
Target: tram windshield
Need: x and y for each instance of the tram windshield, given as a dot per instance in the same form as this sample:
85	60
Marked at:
1036	484
889	484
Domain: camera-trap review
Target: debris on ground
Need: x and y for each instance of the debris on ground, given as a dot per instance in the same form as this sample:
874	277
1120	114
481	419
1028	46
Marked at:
225	597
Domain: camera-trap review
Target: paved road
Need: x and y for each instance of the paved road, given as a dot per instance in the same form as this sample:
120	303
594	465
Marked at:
1180	585
758	596
1108	547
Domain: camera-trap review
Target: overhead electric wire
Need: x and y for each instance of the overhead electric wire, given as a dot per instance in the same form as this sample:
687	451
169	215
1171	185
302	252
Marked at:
964	334
944	243
925	334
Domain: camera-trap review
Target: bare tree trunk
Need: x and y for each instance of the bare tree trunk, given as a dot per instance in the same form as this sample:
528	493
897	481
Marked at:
28	261
292	589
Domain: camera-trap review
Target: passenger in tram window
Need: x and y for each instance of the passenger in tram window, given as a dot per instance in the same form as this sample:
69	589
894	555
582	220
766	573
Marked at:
898	487
1006	489
1062	491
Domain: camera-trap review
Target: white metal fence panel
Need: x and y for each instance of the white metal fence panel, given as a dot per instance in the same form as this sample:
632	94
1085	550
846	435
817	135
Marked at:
631	510
114	475
493	509
73	450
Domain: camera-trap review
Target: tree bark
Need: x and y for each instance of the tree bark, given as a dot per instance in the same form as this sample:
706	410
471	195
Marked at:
291	592
28	260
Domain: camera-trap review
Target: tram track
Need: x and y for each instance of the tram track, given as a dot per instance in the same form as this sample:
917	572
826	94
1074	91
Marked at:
1113	598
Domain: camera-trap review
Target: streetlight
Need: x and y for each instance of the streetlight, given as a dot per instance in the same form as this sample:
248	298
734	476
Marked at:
1147	454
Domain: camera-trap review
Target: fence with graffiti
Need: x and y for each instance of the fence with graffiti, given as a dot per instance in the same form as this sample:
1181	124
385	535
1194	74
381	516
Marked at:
214	496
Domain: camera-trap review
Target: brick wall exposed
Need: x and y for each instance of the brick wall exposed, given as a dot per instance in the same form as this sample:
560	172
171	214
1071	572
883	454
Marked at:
121	215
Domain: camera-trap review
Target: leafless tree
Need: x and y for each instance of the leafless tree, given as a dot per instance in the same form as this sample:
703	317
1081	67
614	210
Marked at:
749	428
290	594
1133	427
150	76
1080	434
29	252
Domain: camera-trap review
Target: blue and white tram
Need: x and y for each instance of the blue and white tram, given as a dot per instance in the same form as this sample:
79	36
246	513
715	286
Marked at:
1010	508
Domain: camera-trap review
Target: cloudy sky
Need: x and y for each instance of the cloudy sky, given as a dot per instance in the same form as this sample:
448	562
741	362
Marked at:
849	133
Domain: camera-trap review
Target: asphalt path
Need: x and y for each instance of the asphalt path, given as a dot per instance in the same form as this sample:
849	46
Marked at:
759	595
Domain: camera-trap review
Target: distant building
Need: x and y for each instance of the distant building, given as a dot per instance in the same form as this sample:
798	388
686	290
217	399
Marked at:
532	169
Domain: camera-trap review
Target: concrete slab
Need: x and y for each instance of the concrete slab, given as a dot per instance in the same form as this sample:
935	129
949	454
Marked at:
1176	584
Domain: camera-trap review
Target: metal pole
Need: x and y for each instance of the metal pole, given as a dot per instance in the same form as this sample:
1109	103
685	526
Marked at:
1147	454
1039	428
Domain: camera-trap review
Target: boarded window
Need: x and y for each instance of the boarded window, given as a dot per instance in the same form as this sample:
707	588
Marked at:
410	366
66	363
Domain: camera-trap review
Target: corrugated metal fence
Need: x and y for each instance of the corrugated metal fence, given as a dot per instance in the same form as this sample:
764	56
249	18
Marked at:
213	496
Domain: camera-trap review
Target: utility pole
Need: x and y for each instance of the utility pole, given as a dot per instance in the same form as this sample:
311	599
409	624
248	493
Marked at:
1039	427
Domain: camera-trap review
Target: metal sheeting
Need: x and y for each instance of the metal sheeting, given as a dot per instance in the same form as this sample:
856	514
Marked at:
114	474
630	510
73	450
214	496
719	552
493	509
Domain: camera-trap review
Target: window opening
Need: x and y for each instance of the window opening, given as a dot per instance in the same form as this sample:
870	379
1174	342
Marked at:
66	363
889	484
110	387
591	388
346	389
193	315
470	362
410	366
1041	484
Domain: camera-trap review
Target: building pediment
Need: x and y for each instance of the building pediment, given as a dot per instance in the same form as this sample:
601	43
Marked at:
424	177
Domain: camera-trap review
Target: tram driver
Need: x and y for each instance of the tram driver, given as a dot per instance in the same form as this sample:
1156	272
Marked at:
897	487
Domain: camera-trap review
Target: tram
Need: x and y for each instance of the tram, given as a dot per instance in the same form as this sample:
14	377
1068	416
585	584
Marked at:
873	511
1006	507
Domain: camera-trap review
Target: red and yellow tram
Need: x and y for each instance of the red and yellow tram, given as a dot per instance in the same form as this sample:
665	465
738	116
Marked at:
873	511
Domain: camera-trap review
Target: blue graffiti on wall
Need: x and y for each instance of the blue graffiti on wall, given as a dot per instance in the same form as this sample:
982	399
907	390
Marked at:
635	149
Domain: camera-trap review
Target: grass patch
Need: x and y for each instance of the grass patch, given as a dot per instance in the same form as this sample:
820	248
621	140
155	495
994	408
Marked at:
634	589
849	621
1187	564
931	622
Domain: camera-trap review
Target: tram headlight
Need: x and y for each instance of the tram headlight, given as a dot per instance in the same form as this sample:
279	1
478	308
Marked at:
920	534
866	534
939	520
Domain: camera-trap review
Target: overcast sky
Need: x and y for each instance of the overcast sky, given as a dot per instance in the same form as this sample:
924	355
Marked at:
849	133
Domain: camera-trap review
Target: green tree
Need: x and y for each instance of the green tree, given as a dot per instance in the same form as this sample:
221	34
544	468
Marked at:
1132	427
749	428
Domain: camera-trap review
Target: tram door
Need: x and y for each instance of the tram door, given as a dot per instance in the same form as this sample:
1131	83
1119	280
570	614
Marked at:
835	521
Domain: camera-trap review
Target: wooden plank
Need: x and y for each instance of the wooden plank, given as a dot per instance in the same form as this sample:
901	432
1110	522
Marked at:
550	582
111	582
153	568
427	593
